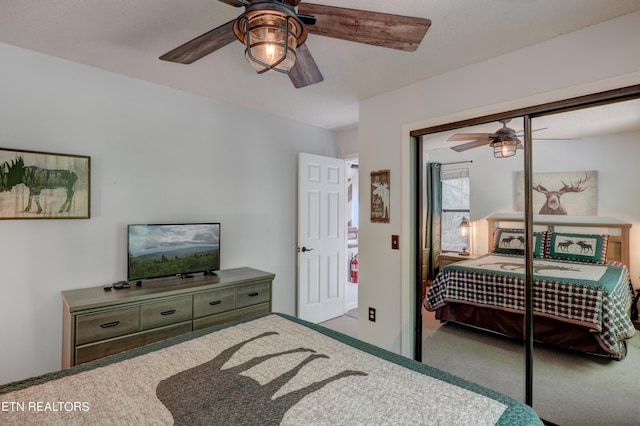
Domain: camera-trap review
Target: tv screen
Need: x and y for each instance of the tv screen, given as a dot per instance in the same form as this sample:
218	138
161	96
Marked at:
162	250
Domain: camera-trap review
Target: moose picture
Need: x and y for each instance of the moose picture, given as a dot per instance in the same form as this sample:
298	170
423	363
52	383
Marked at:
380	196
37	185
569	193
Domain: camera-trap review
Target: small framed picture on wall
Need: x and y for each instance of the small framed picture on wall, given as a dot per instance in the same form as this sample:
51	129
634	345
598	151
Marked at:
380	196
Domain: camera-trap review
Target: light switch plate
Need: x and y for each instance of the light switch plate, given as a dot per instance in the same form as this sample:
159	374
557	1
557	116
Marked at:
395	242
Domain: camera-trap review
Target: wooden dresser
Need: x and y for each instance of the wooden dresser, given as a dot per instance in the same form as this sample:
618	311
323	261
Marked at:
99	322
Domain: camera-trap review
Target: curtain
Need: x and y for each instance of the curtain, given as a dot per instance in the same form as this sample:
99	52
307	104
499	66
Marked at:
433	201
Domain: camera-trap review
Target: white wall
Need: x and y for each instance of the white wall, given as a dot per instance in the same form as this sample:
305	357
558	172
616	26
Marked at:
594	59
348	141
157	155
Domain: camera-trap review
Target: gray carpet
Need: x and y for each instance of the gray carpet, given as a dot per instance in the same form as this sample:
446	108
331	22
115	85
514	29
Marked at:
569	388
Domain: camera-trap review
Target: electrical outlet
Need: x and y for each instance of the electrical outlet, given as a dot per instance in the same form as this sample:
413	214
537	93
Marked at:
372	314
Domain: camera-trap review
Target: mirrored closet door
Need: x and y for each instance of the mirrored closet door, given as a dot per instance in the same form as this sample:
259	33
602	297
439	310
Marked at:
576	167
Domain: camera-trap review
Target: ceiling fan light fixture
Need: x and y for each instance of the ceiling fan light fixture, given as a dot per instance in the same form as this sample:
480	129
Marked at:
504	149
271	36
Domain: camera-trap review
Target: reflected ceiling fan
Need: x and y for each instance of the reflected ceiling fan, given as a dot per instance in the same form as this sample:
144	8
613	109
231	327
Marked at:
274	32
505	134
504	142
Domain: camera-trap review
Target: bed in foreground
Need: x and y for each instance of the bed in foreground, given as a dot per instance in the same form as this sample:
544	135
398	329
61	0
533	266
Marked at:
273	369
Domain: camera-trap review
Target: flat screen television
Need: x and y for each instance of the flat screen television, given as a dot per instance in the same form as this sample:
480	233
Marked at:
162	250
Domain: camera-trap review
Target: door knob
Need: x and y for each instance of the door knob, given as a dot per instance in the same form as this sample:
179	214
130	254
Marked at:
304	249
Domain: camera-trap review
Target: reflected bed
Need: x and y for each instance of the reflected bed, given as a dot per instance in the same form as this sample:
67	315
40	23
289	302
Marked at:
582	294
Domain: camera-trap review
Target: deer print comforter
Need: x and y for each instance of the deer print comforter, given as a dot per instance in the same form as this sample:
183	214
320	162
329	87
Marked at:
270	370
595	296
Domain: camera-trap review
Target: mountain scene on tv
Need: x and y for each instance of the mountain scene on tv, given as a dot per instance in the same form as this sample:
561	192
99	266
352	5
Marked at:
164	250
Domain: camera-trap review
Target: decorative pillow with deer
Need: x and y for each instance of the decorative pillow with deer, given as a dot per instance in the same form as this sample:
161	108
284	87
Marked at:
589	248
511	241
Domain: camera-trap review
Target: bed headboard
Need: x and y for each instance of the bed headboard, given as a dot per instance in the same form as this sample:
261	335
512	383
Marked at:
618	231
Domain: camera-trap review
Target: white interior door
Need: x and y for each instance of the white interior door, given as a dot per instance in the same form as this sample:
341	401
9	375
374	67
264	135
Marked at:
322	240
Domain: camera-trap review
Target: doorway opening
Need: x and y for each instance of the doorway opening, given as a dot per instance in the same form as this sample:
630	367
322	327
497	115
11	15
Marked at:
351	216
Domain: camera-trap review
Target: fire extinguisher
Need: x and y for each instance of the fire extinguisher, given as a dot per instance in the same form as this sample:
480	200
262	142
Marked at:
354	269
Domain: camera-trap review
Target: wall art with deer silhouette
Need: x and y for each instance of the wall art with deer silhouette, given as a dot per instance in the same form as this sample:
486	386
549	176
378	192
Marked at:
567	193
380	196
40	185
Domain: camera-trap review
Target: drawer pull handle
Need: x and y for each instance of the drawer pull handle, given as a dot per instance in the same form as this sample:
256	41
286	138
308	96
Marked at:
215	302
109	324
171	312
254	294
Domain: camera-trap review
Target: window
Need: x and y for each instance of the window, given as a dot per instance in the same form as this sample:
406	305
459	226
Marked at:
455	207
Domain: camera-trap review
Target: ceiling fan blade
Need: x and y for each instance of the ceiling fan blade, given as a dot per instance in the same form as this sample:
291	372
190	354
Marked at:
378	29
305	72
521	132
472	144
469	136
556	139
201	46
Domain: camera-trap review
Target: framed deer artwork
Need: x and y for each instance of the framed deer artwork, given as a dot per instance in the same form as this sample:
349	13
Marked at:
41	185
380	196
566	193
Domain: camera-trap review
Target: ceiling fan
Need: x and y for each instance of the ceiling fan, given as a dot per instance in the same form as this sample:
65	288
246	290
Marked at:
504	142
479	139
274	32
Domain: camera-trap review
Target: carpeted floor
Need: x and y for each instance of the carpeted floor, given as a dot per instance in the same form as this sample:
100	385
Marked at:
569	388
343	324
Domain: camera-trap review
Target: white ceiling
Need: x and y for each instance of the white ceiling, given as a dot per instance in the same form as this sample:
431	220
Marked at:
128	36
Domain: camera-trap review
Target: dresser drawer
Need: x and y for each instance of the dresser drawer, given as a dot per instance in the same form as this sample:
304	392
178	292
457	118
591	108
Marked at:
166	312
213	302
104	348
252	294
236	314
104	325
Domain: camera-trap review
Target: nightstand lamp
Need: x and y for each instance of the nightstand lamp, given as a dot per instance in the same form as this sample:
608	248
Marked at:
465	231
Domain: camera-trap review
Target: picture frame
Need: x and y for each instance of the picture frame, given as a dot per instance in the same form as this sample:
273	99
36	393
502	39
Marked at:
44	185
380	196
561	193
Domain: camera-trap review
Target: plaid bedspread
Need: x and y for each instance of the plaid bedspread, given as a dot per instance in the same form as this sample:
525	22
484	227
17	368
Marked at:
594	296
